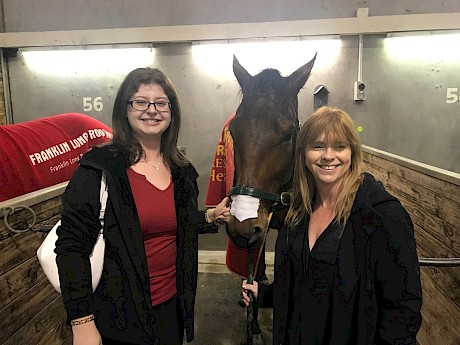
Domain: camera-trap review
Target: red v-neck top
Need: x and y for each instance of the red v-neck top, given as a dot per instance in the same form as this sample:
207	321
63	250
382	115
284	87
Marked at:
157	216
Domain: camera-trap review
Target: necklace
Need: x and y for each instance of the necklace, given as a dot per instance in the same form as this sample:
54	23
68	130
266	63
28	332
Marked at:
155	166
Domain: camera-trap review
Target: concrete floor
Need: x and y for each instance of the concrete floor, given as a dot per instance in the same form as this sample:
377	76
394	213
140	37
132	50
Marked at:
219	320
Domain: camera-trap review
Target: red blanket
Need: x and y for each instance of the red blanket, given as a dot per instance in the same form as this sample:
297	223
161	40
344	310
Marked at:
220	182
43	152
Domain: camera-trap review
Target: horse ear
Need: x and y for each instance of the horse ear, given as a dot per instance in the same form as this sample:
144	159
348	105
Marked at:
243	77
298	78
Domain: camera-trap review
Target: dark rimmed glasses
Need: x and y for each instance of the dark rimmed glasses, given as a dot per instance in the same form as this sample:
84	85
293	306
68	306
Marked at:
142	105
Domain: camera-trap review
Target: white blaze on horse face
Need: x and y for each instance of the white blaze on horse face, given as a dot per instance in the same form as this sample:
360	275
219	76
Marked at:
244	207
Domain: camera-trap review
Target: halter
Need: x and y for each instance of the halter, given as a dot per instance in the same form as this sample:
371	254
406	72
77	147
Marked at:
283	198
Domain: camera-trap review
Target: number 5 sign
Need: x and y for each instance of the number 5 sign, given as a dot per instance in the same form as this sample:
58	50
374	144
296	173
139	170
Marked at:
452	96
89	104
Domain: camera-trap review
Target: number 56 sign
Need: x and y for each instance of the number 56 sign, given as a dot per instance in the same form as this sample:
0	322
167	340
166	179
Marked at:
90	104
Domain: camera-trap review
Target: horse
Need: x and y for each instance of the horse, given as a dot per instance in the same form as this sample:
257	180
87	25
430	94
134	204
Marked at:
264	132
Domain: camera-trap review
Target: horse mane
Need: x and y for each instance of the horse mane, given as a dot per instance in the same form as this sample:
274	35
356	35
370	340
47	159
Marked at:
268	82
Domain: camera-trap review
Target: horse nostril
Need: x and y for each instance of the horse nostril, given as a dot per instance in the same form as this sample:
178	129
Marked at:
254	240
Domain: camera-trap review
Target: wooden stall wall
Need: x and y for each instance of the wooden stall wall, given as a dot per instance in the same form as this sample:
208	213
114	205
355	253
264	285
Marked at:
434	204
31	311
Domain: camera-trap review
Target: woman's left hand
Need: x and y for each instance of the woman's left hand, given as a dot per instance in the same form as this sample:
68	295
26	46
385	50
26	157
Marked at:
221	213
246	287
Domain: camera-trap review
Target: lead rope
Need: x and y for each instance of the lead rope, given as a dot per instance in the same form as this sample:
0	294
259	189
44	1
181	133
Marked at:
250	280
250	309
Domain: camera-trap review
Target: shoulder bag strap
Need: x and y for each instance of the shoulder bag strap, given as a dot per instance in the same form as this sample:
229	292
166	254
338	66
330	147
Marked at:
103	199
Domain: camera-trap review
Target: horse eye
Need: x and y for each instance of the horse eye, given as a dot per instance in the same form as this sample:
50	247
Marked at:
287	137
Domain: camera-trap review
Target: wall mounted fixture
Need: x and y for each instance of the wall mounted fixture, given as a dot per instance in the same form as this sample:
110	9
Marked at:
320	96
359	91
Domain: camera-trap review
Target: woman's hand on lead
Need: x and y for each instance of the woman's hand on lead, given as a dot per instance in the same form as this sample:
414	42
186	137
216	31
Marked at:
254	288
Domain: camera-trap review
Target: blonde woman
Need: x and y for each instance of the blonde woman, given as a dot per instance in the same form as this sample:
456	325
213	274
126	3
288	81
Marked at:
346	267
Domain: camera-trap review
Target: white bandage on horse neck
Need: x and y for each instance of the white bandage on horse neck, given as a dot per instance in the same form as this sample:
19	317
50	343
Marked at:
244	207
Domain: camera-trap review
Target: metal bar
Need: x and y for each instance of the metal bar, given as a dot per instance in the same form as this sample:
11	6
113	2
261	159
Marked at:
360	58
439	262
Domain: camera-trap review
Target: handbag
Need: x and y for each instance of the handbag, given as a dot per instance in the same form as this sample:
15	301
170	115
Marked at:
47	256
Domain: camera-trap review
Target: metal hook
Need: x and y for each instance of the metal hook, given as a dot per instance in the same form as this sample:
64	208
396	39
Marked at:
17	208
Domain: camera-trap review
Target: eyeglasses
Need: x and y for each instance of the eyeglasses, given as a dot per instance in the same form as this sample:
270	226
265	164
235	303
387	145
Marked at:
142	105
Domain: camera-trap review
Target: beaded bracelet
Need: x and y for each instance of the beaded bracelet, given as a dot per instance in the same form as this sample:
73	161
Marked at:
82	321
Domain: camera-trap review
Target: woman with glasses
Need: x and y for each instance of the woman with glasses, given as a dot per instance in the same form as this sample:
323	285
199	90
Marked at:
146	294
346	267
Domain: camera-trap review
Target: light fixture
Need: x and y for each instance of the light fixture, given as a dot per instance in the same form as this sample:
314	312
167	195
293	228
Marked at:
286	54
424	45
91	61
422	33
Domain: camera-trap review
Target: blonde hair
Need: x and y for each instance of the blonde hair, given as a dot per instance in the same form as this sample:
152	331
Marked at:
337	125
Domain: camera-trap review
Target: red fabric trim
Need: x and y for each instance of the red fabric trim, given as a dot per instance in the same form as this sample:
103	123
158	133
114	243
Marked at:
221	177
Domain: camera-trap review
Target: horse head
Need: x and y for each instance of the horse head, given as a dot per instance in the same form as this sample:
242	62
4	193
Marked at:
264	132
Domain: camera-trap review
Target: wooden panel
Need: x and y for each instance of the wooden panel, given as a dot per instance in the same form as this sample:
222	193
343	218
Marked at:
425	210
25	307
18	280
445	208
47	212
19	248
445	279
431	245
46	327
440	311
441	187
60	334
428	335
35	312
445	233
433	205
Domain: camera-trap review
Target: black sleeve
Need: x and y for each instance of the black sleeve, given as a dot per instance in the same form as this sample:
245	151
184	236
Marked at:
397	274
204	227
77	235
265	296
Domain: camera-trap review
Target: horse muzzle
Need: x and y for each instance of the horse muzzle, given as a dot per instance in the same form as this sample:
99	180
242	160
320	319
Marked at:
247	234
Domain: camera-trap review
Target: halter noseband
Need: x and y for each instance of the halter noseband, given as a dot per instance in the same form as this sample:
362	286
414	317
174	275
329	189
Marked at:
284	198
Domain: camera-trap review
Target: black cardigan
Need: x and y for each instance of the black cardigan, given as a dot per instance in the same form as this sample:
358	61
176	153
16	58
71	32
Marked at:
376	296
122	301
